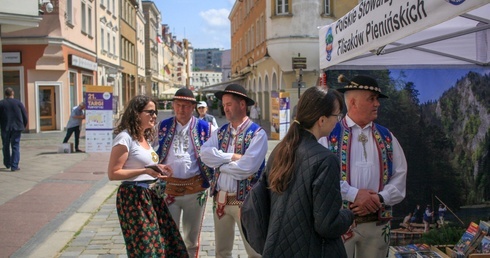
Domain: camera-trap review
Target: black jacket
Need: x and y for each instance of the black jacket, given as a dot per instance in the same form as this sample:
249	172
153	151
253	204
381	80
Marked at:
13	115
307	220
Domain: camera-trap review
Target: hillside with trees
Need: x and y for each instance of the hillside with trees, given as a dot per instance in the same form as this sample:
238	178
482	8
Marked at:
446	142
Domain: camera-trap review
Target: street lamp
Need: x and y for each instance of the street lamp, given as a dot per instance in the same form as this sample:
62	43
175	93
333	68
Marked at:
237	71
47	5
251	65
267	53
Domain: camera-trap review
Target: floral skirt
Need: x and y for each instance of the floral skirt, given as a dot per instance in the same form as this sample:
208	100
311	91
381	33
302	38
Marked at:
147	225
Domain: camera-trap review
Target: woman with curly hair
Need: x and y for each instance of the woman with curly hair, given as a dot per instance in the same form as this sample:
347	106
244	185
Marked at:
306	218
147	226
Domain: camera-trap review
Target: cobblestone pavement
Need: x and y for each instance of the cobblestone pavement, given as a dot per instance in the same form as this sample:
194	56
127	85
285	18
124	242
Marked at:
63	205
101	236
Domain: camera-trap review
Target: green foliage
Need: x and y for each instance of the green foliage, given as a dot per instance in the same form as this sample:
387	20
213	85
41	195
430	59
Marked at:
442	236
483	165
471	127
479	88
436	137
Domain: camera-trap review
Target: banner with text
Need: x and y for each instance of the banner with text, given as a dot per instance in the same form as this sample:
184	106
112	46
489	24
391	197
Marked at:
373	24
280	110
98	118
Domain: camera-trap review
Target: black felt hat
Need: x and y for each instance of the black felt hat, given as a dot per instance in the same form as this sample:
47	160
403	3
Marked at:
361	82
237	90
185	94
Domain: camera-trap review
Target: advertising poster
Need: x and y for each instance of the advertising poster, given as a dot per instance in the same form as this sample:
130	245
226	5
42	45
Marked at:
98	118
280	109
275	115
441	118
284	115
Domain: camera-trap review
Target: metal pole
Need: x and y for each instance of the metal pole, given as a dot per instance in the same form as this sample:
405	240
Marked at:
299	82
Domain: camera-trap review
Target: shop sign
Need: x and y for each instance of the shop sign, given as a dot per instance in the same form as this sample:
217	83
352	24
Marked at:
11	58
82	63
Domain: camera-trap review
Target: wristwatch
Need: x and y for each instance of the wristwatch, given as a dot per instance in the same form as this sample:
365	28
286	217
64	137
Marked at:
381	199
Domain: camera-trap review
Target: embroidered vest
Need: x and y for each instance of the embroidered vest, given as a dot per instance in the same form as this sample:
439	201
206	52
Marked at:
242	142
200	132
339	142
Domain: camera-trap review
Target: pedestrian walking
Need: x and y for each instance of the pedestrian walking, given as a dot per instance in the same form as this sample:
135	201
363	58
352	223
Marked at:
255	113
180	139
146	223
74	124
237	152
202	109
209	103
13	120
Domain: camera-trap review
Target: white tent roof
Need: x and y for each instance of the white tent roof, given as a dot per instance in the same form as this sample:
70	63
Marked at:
462	41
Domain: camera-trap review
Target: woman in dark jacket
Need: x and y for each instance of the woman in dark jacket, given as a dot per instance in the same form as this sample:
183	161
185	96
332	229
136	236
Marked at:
306	218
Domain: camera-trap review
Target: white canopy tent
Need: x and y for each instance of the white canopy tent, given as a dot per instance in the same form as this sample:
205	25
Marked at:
435	34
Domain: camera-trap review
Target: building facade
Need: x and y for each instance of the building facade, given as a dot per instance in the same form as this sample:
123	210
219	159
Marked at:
205	78
266	35
53	49
127	14
207	59
140	50
152	28
226	71
176	59
15	17
108	47
56	61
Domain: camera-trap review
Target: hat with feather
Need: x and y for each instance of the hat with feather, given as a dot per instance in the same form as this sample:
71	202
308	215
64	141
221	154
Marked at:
360	82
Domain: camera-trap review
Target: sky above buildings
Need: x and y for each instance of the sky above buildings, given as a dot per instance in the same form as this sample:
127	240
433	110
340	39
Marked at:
203	22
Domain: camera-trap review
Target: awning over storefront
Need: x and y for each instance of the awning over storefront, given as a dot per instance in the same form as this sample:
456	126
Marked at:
170	91
221	86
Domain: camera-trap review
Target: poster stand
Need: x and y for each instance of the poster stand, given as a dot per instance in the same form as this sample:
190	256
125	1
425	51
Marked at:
98	118
280	110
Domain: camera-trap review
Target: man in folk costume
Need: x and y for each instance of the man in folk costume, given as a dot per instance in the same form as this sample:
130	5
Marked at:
237	152
373	168
180	139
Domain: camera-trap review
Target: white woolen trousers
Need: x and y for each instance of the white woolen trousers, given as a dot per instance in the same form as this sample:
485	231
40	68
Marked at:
224	233
192	216
369	243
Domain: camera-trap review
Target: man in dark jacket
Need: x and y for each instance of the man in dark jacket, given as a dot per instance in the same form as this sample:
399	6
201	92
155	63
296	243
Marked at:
13	120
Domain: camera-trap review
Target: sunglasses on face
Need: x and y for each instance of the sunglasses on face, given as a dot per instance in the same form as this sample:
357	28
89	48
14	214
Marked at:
151	112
